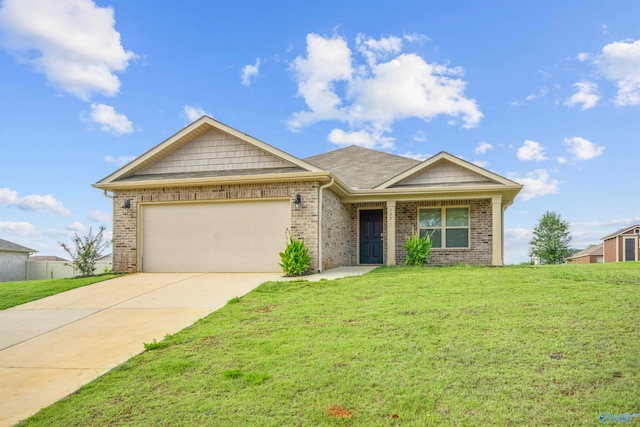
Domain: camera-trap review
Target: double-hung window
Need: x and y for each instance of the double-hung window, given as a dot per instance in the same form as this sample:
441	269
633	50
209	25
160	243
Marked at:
447	227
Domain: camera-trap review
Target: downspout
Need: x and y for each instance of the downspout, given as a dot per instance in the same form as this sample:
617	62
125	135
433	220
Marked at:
107	194
329	184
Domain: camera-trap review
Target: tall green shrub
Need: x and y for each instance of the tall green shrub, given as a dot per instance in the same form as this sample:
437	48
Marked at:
418	249
295	258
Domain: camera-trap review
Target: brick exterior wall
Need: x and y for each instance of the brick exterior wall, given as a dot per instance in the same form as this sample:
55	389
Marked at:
480	232
338	237
304	221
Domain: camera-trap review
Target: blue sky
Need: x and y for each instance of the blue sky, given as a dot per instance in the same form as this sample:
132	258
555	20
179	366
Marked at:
546	93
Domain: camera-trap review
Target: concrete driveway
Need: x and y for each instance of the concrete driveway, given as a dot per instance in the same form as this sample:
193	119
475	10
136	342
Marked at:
51	347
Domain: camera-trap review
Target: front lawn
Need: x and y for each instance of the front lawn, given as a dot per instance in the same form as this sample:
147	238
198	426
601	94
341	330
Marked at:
16	293
552	345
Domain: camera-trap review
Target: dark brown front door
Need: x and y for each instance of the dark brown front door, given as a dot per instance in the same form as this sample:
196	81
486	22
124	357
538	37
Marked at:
371	236
629	249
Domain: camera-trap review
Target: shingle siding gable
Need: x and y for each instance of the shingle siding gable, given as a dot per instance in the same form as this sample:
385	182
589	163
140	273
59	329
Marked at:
215	150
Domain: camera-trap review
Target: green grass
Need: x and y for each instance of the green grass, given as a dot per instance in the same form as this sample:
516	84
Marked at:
551	345
16	293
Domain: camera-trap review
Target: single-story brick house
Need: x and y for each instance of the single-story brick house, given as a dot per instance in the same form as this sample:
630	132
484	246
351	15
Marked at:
13	261
590	255
623	245
211	198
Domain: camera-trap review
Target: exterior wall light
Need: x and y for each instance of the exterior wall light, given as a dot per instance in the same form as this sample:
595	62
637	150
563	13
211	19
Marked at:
126	206
298	201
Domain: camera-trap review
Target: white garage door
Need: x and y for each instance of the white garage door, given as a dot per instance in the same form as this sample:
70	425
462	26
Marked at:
214	237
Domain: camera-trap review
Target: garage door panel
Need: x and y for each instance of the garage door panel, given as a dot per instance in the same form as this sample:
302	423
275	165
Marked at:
214	237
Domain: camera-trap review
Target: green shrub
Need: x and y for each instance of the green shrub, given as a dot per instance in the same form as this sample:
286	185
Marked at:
295	258
418	249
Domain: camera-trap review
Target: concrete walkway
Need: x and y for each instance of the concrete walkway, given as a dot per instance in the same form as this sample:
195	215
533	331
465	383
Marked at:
51	347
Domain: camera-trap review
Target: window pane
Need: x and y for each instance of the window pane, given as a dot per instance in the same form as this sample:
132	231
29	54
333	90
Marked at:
430	218
435	234
458	217
457	238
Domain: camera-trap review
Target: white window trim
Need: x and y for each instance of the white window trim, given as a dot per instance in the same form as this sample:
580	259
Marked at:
443	226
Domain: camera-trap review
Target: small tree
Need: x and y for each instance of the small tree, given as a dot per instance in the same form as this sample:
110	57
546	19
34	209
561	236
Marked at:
551	239
86	251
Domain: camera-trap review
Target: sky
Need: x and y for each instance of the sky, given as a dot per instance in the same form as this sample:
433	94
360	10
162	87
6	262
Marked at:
546	93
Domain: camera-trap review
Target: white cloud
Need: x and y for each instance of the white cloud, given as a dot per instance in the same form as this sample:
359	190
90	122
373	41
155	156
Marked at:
194	113
76	227
483	147
98	216
34	202
72	42
374	50
328	61
419	136
18	228
109	120
583	149
531	150
371	96
622	222
542	92
587	95
250	71
518	233
120	160
416	156
57	233
562	160
481	163
620	63
582	56
536	183
361	138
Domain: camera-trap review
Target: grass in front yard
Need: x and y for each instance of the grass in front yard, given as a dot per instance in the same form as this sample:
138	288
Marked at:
552	345
16	293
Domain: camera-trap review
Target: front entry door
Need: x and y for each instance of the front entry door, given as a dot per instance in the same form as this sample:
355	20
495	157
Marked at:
371	236
630	249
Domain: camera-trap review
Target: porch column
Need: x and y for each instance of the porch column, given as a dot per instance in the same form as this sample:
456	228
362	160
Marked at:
496	230
391	232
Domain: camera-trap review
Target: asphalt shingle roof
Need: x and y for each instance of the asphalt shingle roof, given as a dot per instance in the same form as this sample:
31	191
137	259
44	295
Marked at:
360	167
8	246
621	231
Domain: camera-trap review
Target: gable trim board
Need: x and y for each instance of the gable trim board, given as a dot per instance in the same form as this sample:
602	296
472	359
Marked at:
224	165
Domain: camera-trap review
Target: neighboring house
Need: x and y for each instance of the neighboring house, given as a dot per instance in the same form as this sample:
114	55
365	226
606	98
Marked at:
623	245
590	255
13	261
211	198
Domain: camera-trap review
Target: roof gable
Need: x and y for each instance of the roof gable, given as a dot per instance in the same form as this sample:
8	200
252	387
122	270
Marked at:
445	170
215	150
626	230
362	168
207	148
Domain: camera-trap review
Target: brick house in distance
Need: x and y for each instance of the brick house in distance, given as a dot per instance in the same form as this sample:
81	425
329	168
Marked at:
213	199
588	256
623	245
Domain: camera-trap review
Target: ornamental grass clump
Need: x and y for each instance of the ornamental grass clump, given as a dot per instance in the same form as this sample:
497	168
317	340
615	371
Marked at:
418	249
295	258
